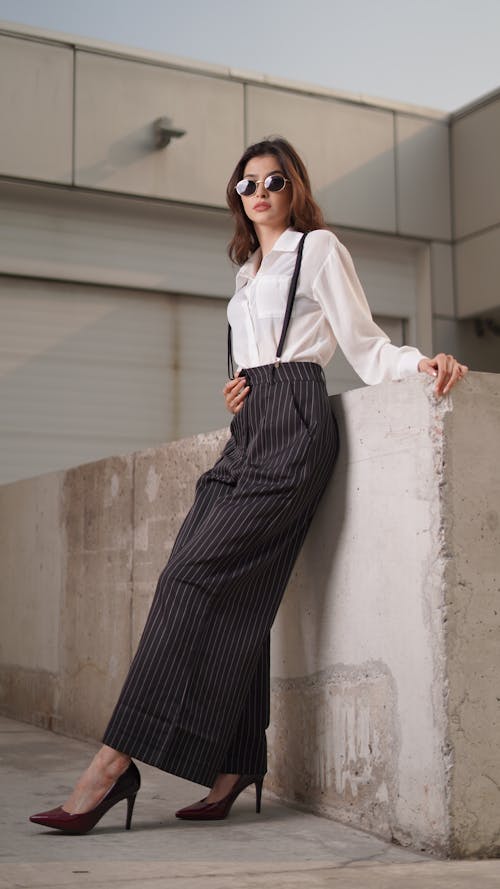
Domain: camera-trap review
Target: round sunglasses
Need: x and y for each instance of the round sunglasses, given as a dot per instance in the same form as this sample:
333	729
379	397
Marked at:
274	182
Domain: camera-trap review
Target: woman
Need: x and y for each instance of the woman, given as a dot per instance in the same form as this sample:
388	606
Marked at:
196	700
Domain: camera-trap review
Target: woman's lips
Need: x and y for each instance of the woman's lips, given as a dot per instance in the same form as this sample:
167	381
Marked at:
262	206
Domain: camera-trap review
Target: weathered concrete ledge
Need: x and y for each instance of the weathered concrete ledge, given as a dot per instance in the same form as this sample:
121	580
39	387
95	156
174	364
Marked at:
386	648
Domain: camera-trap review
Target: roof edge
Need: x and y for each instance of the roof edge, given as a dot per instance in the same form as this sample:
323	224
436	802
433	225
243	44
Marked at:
60	38
476	104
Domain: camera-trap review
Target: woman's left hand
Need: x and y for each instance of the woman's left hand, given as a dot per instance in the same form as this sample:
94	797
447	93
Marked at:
446	369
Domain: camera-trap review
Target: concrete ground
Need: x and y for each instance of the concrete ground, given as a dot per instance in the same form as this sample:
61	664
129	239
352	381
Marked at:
280	849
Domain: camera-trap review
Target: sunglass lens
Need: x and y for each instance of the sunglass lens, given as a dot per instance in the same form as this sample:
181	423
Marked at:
246	187
275	183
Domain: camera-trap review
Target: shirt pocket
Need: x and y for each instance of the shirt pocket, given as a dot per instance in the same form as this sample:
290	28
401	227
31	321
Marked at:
271	294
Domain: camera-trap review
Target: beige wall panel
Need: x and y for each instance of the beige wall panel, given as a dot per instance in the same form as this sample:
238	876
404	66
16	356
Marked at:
387	269
476	169
36	101
112	240
442	279
423	177
477	262
202	366
349	151
116	104
85	372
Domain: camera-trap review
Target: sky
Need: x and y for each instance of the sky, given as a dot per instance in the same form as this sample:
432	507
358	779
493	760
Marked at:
434	53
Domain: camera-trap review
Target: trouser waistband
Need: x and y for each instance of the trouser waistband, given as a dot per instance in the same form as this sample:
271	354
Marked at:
289	371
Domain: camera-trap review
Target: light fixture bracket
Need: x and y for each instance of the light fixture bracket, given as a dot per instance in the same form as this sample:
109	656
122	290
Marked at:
164	132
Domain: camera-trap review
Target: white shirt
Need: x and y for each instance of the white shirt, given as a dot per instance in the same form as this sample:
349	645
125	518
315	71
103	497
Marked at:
330	308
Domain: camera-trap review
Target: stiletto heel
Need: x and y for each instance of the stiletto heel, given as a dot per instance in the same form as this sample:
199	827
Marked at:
130	809
258	793
203	811
126	787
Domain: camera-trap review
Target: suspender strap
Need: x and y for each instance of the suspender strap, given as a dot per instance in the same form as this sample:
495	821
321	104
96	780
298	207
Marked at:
288	314
230	362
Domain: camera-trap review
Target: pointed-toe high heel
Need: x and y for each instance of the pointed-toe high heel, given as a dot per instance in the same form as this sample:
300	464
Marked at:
203	811
126	787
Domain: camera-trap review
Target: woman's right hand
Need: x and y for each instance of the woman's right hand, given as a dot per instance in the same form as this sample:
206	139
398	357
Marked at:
235	391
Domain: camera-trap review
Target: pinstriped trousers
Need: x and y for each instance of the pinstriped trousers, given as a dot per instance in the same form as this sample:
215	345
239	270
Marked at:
196	699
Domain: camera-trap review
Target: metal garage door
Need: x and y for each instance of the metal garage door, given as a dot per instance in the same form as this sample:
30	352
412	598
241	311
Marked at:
87	372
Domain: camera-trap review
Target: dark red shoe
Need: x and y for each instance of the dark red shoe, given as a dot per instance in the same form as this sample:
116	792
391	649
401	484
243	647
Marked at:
203	811
126	787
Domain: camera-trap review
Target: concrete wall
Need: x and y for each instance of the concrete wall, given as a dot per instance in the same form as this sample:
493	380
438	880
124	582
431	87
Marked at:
385	650
471	507
386	646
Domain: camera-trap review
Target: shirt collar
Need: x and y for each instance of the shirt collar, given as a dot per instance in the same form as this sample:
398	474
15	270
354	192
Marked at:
286	243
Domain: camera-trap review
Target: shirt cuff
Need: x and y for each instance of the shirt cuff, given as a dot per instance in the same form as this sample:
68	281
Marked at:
409	359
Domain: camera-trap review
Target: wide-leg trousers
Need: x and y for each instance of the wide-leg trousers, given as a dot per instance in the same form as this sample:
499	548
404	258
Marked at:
196	699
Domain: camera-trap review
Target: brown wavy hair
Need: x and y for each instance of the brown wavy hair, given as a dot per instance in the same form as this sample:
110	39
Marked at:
305	215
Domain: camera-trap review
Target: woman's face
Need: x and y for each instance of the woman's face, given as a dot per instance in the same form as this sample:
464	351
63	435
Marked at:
267	208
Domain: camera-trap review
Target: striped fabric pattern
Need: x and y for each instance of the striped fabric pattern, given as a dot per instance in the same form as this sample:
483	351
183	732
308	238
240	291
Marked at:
196	699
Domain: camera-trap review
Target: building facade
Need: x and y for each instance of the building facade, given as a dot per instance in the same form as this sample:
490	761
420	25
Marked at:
114	278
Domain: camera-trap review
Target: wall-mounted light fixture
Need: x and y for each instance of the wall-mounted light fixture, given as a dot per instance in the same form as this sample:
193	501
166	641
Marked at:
164	131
